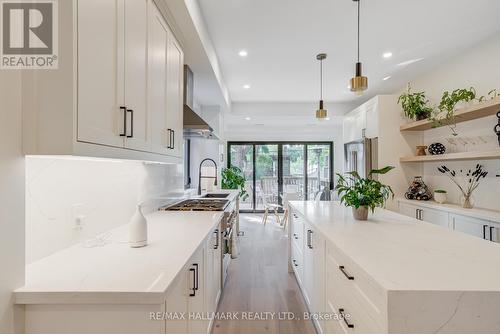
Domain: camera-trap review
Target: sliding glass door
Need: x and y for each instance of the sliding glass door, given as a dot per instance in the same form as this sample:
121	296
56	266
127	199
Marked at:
274	170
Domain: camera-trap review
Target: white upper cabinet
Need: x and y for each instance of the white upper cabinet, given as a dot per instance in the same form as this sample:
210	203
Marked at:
362	122
100	72
118	90
175	92
136	74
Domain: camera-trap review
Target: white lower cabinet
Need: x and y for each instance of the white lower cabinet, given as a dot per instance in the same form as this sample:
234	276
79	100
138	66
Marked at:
213	272
477	227
308	263
425	214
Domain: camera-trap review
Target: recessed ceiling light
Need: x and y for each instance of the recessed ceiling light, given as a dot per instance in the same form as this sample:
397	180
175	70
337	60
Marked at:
327	119
243	53
247	118
387	55
386	78
411	61
246	86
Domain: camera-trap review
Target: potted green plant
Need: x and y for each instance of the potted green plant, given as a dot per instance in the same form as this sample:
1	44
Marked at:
363	193
415	105
445	113
440	196
233	178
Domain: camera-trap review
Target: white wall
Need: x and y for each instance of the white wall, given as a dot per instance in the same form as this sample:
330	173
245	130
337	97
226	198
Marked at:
201	149
479	67
106	192
279	121
11	196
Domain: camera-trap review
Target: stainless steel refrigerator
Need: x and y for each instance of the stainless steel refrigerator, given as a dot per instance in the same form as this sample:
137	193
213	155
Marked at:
361	156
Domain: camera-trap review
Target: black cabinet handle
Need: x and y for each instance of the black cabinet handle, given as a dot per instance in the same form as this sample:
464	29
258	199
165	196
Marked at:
169	146
309	239
124	109
197	272
295	263
492	228
173	139
416	213
346	274
341	311
131	123
296	236
216	232
192	294
484	231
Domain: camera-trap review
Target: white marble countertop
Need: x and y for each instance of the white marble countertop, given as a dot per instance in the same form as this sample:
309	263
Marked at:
480	213
115	273
402	253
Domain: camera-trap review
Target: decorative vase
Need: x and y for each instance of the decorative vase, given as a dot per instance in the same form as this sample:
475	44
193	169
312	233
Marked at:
421	150
138	229
440	197
418	190
436	149
467	201
360	213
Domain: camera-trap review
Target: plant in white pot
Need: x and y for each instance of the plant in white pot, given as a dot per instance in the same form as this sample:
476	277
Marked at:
363	194
440	196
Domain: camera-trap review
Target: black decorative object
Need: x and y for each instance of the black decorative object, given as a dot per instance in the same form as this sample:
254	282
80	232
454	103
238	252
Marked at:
497	128
418	190
436	149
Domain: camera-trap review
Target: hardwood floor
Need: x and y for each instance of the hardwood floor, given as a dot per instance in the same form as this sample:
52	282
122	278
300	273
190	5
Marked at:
259	281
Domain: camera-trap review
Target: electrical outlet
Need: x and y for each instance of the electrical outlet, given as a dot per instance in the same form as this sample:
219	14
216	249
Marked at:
78	216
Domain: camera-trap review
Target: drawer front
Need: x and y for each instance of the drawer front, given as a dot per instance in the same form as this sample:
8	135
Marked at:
360	324
298	264
349	285
297	230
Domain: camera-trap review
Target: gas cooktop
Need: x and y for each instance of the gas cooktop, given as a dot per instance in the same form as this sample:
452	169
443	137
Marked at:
198	205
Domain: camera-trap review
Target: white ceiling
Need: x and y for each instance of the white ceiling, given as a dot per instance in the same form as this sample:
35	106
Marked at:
282	38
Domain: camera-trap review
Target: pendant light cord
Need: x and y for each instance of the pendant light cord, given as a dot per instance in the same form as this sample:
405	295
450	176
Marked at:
321	79
358	26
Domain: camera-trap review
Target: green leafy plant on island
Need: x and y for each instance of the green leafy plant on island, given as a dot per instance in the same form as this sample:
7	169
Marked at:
445	112
233	178
415	105
357	192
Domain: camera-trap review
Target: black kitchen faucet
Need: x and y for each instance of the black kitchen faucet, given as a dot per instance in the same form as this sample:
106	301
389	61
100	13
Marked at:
206	177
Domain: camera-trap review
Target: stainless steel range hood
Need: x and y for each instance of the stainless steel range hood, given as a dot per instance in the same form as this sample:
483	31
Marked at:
194	125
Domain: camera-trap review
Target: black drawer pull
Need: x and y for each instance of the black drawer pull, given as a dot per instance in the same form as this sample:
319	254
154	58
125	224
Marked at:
309	239
296	236
192	294
349	277
295	263
124	109
484	231
197	274
131	123
341	311
492	228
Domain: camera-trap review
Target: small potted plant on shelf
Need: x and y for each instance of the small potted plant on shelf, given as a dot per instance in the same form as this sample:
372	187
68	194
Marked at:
233	178
440	196
471	180
362	194
415	105
445	113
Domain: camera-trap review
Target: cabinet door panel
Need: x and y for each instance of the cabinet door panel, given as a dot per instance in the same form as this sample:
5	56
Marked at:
175	79
100	71
476	227
196	304
136	70
435	217
177	303
158	82
408	210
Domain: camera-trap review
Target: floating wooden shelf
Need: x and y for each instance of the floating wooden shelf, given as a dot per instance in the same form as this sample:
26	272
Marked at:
483	109
487	155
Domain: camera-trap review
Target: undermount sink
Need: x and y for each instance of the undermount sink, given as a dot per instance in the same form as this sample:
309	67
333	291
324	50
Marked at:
215	196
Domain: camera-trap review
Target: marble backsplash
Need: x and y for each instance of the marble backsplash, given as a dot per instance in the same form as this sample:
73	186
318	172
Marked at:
104	192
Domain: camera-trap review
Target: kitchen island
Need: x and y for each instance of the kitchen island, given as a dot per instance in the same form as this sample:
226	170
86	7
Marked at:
392	273
104	286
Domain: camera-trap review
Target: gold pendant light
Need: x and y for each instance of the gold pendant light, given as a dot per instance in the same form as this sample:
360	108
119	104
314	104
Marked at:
359	83
321	114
